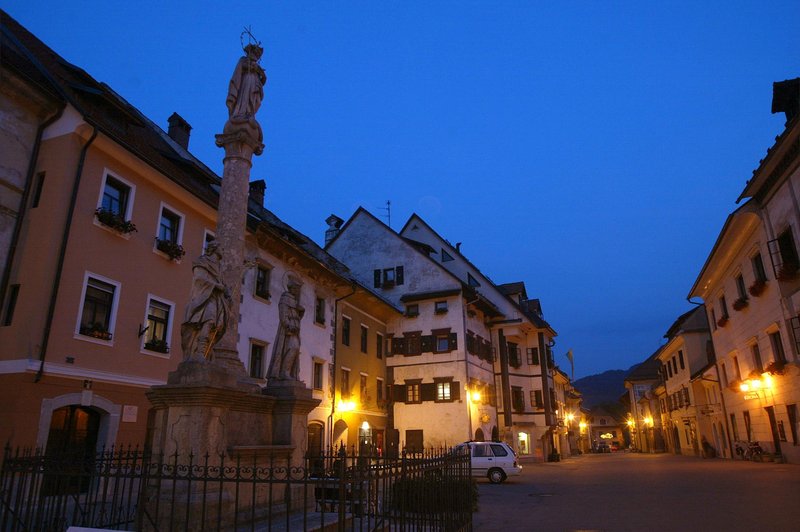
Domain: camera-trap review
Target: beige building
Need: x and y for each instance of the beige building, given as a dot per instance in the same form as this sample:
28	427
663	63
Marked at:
750	285
685	405
642	384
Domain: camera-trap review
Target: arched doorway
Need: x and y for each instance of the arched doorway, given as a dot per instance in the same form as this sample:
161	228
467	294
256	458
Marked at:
479	435
73	431
72	438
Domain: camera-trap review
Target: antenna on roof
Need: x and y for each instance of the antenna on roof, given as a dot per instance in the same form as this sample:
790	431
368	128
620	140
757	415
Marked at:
388	214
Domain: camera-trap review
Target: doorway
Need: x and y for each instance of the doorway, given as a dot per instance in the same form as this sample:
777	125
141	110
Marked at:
72	439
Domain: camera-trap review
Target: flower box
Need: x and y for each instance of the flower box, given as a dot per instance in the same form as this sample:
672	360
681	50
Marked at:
96	332
775	367
740	303
757	288
723	321
171	249
159	346
114	221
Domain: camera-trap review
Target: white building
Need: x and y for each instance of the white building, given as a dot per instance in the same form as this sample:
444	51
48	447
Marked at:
468	359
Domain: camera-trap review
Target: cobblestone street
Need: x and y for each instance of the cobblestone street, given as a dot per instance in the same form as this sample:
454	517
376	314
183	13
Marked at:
654	492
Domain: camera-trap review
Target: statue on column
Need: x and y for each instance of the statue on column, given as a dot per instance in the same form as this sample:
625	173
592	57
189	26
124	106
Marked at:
209	306
245	92
286	351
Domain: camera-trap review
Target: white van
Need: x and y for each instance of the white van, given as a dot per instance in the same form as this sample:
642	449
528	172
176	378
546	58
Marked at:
493	460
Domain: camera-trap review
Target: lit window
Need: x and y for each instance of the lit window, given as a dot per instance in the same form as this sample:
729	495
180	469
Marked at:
98	305
156	335
443	391
413	393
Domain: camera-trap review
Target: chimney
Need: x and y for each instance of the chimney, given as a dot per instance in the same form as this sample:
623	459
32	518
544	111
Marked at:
179	130
334	223
257	189
786	98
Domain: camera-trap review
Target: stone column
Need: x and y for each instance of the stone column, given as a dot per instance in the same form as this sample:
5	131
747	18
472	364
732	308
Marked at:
241	138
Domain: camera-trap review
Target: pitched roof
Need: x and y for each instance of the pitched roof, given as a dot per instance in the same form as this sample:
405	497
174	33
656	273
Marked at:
647	370
693	320
535	318
110	113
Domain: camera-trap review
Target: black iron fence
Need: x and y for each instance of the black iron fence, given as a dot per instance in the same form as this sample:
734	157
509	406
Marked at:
127	489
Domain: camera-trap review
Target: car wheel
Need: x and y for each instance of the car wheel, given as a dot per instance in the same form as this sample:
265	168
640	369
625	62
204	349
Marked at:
496	476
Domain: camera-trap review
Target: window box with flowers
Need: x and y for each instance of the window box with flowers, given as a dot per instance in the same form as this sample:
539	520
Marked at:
114	221
159	346
775	367
723	321
172	249
96	331
757	288
740	303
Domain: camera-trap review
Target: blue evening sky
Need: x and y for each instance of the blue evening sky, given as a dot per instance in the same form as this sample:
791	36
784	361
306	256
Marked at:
590	149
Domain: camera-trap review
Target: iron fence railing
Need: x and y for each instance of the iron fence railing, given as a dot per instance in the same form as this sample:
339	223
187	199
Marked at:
127	489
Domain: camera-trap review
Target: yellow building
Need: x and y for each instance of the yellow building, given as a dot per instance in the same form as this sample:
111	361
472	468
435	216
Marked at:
750	285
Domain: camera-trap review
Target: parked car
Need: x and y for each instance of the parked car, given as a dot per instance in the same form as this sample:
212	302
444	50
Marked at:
614	446
603	447
493	460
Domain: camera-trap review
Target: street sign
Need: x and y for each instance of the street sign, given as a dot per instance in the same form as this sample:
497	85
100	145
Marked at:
751	395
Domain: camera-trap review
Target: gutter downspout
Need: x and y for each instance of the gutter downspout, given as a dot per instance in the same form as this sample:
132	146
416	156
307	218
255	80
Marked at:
335	350
23	205
51	309
721	394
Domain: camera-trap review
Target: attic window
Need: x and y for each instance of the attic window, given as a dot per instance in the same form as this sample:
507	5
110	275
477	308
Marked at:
388	277
446	256
472	281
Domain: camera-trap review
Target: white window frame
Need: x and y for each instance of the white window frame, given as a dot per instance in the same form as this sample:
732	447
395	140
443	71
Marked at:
112	319
264	367
181	225
128	214
171	305
206	234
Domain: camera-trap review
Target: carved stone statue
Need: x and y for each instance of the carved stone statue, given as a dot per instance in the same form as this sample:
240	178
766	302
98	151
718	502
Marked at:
286	351
209	306
245	92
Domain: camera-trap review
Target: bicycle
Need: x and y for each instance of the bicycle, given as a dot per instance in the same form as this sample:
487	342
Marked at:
748	450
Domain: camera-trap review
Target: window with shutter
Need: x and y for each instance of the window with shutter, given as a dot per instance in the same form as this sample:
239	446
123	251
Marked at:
533	356
398	274
428	391
453	341
427	343
413	343
398	346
